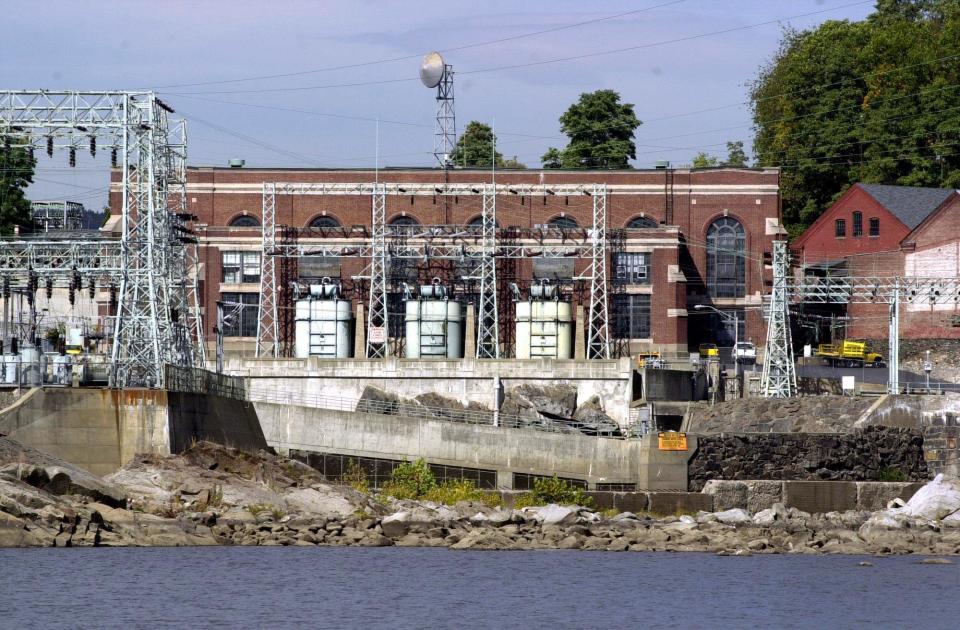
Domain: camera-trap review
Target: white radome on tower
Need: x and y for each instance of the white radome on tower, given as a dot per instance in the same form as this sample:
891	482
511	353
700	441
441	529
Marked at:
431	69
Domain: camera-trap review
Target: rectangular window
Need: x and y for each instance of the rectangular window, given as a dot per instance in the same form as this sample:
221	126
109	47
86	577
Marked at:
631	316
874	226
858	224
840	230
722	330
240	267
631	268
242	321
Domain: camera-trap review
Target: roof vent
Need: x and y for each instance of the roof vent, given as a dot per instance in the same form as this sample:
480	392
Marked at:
662	164
237	163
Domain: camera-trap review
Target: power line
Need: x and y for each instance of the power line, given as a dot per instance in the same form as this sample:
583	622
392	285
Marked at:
546	61
419	55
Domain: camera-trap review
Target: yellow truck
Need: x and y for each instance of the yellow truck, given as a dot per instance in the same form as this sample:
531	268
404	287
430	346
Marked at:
849	354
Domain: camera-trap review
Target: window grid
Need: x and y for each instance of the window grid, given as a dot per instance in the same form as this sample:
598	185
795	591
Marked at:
726	266
244	323
240	267
874	226
840	228
631	268
631	316
858	224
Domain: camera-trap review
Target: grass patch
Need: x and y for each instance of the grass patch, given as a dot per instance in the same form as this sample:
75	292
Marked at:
553	490
415	480
355	477
452	491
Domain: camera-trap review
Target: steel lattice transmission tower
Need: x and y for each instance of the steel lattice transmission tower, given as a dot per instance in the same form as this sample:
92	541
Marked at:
157	320
598	337
434	72
488	324
268	320
377	320
779	379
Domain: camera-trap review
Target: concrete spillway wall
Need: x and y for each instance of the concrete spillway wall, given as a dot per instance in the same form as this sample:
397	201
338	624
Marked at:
507	451
466	380
101	429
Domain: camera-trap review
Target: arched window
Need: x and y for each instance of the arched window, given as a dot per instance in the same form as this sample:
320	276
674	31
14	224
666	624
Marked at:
477	221
564	223
404	220
637	223
726	268
324	222
245	221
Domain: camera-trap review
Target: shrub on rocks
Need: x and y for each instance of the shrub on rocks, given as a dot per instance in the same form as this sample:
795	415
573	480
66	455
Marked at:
553	490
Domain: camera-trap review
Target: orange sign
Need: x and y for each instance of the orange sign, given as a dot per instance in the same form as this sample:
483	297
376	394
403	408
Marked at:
672	441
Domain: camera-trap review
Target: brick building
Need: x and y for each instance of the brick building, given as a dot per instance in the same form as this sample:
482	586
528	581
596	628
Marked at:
678	237
888	231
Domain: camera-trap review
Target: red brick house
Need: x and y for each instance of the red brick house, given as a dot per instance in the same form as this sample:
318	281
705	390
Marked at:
887	231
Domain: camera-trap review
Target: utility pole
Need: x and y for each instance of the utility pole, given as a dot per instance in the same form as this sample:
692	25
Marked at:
779	378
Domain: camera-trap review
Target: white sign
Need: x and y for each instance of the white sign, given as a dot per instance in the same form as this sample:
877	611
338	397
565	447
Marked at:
377	334
848	383
807	351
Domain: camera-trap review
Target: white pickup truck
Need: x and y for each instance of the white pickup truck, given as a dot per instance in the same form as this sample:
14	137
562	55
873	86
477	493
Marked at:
745	352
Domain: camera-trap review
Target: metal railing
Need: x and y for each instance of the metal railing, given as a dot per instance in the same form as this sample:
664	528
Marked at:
418	411
200	381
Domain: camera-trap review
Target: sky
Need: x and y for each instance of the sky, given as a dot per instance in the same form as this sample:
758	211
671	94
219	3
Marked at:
686	71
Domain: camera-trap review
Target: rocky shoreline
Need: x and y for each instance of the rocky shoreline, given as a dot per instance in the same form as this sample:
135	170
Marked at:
212	495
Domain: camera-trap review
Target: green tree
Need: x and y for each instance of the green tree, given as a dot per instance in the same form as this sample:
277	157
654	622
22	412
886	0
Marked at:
553	158
475	147
873	101
16	173
702	160
601	131
735	154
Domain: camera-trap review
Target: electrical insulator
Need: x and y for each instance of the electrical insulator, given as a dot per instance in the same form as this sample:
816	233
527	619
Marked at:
49	146
93	146
174	315
113	157
77	281
72	296
113	295
93	288
73	157
6	288
49	288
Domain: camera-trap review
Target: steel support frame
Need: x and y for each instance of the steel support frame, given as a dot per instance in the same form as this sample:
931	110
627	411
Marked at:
598	335
134	125
268	320
779	377
378	323
891	290
488	324
445	134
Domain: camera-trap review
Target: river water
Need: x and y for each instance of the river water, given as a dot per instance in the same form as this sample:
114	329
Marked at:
271	587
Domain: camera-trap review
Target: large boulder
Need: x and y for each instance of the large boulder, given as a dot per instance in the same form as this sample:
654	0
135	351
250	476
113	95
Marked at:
936	500
727	495
734	516
553	514
591	419
62	480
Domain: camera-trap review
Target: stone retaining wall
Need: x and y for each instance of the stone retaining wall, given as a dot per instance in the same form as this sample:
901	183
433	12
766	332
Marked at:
867	454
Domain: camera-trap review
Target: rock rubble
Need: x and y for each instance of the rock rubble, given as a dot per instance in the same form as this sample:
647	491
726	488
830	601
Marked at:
213	495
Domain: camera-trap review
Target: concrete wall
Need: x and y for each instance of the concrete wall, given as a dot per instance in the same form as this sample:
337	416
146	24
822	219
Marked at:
467	380
102	429
815	497
96	429
596	460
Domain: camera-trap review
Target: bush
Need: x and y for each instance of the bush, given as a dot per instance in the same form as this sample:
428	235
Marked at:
548	490
892	473
452	491
410	480
356	477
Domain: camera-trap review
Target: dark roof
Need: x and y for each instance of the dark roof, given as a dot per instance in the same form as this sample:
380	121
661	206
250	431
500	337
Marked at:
909	204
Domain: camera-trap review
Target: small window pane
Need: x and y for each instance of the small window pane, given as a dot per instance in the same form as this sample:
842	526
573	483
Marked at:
241	267
324	222
840	228
242	321
631	316
874	226
641	222
858	224
631	268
